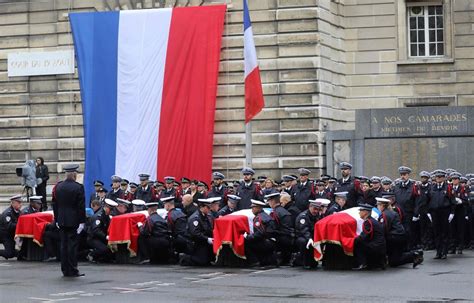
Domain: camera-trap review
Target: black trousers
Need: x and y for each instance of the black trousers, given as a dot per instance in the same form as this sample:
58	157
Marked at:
307	255
41	191
441	229
426	231
52	242
69	244
396	251
260	250
457	227
154	248
368	255
412	230
201	254
9	244
100	250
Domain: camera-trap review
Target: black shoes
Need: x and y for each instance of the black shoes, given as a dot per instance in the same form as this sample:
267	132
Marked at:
76	275
418	258
360	267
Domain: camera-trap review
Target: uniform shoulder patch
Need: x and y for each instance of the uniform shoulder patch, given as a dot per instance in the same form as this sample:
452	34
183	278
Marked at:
8	218
257	223
302	221
196	223
97	222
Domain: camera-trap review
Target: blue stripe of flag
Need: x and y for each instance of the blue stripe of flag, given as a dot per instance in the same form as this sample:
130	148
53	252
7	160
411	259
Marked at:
96	42
247	22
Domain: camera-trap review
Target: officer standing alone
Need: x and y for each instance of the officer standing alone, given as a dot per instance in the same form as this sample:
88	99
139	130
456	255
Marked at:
70	215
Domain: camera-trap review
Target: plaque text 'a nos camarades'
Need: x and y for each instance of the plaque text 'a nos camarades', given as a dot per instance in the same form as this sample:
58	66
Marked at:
420	122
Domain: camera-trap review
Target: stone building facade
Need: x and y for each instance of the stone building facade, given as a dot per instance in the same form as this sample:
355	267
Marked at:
320	60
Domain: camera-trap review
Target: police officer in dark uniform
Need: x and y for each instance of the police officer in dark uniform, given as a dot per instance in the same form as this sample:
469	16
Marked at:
145	192
288	186
458	224
421	209
116	192
321	192
395	237
365	194
33	207
97	234
200	228
8	221
304	190
284	228
154	238
185	186
406	194
170	191
218	189
304	228
177	226
369	246
232	202
70	215
349	184
376	187
260	245
441	207
339	204
248	190
95	195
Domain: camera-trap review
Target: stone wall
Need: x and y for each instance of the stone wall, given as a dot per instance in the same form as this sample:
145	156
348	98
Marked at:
320	60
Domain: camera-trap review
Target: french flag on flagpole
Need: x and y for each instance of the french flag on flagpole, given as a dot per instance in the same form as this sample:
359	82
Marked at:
254	101
148	88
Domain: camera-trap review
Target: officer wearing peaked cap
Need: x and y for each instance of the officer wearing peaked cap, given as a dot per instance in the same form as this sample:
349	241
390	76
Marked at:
200	228
232	201
421	210
304	190
70	215
288	184
33	207
185	186
340	203
260	245
248	190
369	246
95	195
154	239
458	224
406	194
116	192
395	237
97	235
219	189
177	226
349	184
304	228
284	228
170	191
8	221
145	191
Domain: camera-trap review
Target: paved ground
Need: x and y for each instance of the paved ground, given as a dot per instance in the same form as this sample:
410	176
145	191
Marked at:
439	281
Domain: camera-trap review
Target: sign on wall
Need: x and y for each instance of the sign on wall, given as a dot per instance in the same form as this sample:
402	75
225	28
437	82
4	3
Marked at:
41	63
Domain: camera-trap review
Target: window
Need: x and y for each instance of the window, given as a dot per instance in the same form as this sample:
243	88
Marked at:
426	31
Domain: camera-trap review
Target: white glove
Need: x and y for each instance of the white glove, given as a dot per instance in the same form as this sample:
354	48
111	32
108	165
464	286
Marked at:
450	218
429	217
310	243
459	201
245	235
210	241
57	225
107	238
414	219
139	224
80	228
467	218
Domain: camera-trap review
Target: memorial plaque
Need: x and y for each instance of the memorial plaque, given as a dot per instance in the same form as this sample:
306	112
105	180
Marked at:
384	156
434	121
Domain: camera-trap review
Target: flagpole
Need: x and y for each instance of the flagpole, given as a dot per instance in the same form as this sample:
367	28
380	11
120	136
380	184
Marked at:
248	144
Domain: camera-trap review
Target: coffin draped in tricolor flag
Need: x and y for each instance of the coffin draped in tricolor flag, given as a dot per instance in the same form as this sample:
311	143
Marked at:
339	228
148	87
230	229
254	101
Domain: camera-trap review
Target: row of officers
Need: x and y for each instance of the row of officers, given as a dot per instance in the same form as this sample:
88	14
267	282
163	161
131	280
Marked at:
421	204
278	238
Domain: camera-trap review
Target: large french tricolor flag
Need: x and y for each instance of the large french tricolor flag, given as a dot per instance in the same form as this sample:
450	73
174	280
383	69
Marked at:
148	87
254	101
